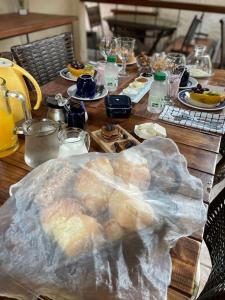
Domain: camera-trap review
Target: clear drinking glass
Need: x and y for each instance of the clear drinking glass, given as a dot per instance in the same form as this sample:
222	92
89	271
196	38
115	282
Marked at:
176	58
175	69
174	78
105	46
41	141
124	49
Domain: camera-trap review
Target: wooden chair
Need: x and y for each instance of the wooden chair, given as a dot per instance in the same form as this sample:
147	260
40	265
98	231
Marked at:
44	58
182	44
95	21
214	236
222	47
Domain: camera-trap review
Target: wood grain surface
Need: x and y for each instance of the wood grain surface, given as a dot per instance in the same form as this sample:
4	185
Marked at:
200	150
167	4
14	24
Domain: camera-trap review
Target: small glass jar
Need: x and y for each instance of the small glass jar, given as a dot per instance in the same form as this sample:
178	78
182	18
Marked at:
200	60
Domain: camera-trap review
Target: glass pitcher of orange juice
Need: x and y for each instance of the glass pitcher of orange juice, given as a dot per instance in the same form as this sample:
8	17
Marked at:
8	137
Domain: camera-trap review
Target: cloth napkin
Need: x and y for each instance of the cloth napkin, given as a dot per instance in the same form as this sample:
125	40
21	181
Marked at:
201	120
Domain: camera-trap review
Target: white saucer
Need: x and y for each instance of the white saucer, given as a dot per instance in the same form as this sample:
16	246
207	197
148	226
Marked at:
72	93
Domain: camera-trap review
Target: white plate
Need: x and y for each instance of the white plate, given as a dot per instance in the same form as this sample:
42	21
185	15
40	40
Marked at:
72	93
64	73
192	82
184	97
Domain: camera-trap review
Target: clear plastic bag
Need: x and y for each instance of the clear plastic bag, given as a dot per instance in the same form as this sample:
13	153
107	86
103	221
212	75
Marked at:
99	226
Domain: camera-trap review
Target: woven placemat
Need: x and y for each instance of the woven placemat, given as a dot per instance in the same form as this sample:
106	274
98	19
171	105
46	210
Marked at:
201	120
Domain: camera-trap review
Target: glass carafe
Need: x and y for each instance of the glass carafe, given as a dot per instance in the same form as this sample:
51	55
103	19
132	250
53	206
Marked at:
200	62
8	137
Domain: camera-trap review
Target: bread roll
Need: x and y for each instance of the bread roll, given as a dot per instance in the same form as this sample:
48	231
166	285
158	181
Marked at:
54	186
113	230
130	210
132	168
94	184
73	231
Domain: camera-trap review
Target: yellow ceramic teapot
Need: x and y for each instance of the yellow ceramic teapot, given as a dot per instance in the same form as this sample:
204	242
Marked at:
13	75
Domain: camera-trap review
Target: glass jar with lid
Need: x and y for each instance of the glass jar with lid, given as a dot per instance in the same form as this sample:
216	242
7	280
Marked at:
199	62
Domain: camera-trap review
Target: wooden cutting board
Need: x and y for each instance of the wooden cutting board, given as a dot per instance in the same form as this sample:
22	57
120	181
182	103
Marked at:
108	146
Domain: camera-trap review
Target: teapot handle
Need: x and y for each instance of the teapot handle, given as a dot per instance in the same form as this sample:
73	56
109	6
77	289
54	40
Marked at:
33	81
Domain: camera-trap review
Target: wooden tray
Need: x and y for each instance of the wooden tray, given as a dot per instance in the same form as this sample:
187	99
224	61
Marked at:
108	146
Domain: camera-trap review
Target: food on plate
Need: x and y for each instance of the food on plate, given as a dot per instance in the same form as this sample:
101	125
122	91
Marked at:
130	210
76	69
130	92
136	85
124	145
74	232
204	95
113	230
143	61
185	78
132	168
94	184
194	72
110	132
159	63
148	130
139	82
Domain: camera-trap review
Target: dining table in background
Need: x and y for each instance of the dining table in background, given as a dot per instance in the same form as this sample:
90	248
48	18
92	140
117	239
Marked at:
200	149
154	28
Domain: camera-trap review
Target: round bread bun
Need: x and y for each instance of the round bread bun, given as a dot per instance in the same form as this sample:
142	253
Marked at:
94	184
113	230
132	168
74	232
130	210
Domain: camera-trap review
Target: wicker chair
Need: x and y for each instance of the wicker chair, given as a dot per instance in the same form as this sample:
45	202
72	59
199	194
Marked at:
43	59
214	237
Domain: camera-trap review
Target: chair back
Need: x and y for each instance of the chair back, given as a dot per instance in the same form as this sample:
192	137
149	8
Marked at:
222	47
94	16
191	32
214	236
7	55
44	58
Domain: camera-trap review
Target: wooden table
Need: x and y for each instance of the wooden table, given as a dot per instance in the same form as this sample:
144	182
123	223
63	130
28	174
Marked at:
200	149
14	24
161	28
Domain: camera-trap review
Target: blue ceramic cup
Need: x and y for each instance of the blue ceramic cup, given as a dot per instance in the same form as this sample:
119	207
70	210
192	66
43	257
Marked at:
86	86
